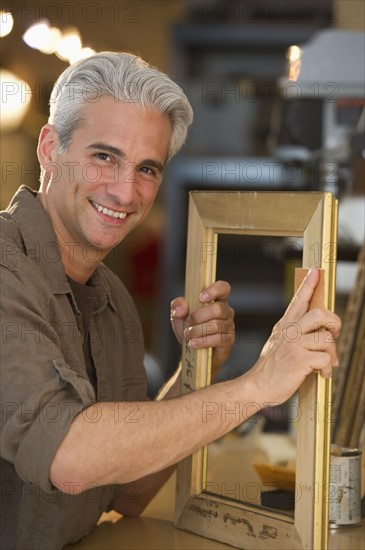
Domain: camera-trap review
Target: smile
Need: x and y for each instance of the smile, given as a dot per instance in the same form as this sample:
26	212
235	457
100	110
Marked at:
108	211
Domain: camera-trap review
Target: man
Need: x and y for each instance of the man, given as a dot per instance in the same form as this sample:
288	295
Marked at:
78	435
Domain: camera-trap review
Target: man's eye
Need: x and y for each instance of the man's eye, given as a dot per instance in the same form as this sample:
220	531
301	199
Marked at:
148	171
103	156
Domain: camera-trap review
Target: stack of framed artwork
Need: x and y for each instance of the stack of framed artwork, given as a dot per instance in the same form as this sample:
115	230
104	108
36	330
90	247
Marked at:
348	408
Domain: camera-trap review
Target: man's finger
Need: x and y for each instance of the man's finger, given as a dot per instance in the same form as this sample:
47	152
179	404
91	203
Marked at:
317	319
212	340
213	326
299	304
219	290
179	310
217	310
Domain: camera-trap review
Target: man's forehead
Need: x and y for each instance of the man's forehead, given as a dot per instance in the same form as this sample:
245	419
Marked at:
107	121
107	103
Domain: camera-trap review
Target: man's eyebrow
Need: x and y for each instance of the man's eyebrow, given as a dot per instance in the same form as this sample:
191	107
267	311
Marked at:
106	147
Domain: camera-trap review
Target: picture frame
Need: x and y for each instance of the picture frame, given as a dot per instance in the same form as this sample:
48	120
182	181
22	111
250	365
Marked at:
348	395
313	217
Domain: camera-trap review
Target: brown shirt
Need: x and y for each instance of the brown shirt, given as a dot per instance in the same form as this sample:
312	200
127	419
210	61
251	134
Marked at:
44	381
85	296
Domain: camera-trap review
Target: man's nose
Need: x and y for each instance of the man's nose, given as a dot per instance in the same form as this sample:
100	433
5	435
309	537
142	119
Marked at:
123	184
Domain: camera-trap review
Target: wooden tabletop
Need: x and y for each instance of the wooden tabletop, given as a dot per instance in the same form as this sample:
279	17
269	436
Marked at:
155	530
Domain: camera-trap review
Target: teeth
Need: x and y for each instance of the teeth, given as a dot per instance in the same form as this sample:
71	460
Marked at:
108	212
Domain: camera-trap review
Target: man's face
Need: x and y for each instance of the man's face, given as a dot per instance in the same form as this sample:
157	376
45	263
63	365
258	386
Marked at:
106	182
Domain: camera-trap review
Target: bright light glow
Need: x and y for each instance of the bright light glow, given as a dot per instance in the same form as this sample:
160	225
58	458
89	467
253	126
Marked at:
15	100
294	55
37	35
69	46
46	39
42	37
82	54
51	41
6	23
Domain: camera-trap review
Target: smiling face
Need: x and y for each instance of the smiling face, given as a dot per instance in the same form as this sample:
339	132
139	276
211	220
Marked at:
103	186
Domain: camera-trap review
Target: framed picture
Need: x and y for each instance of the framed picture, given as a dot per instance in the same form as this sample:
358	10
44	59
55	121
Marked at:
313	217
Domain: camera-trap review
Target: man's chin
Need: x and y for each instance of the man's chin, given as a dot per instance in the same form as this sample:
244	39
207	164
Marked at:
95	251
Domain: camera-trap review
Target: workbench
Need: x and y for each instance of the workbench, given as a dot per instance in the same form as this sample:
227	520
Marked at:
155	529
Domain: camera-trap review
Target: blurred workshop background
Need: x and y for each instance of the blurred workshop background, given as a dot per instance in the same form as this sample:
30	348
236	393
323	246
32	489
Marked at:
277	89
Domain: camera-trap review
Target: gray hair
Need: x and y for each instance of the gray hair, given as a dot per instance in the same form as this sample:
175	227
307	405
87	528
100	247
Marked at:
125	77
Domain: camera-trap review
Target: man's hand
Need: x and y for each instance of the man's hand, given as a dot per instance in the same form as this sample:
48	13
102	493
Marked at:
211	326
301	342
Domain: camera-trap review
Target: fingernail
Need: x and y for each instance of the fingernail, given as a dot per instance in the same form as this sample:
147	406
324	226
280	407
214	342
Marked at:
204	296
176	311
187	331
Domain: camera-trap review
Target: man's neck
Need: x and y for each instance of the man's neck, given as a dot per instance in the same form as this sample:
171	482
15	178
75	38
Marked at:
76	261
79	260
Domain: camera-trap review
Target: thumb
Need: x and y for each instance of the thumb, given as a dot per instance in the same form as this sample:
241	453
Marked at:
179	310
300	302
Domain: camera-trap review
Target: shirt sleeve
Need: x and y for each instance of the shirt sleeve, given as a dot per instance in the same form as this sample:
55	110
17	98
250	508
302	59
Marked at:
41	393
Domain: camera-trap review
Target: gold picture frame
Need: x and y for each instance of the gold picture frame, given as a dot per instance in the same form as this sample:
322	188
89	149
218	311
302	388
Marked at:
313	217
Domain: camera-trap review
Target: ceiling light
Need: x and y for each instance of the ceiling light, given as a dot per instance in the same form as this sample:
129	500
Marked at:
6	23
82	54
69	46
51	41
15	100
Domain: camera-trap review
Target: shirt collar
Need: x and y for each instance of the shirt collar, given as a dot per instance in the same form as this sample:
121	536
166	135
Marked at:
41	245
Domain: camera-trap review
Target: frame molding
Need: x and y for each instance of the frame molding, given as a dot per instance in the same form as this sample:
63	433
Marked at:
312	216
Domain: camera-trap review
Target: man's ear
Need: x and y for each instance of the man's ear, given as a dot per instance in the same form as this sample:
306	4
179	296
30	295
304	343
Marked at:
47	149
